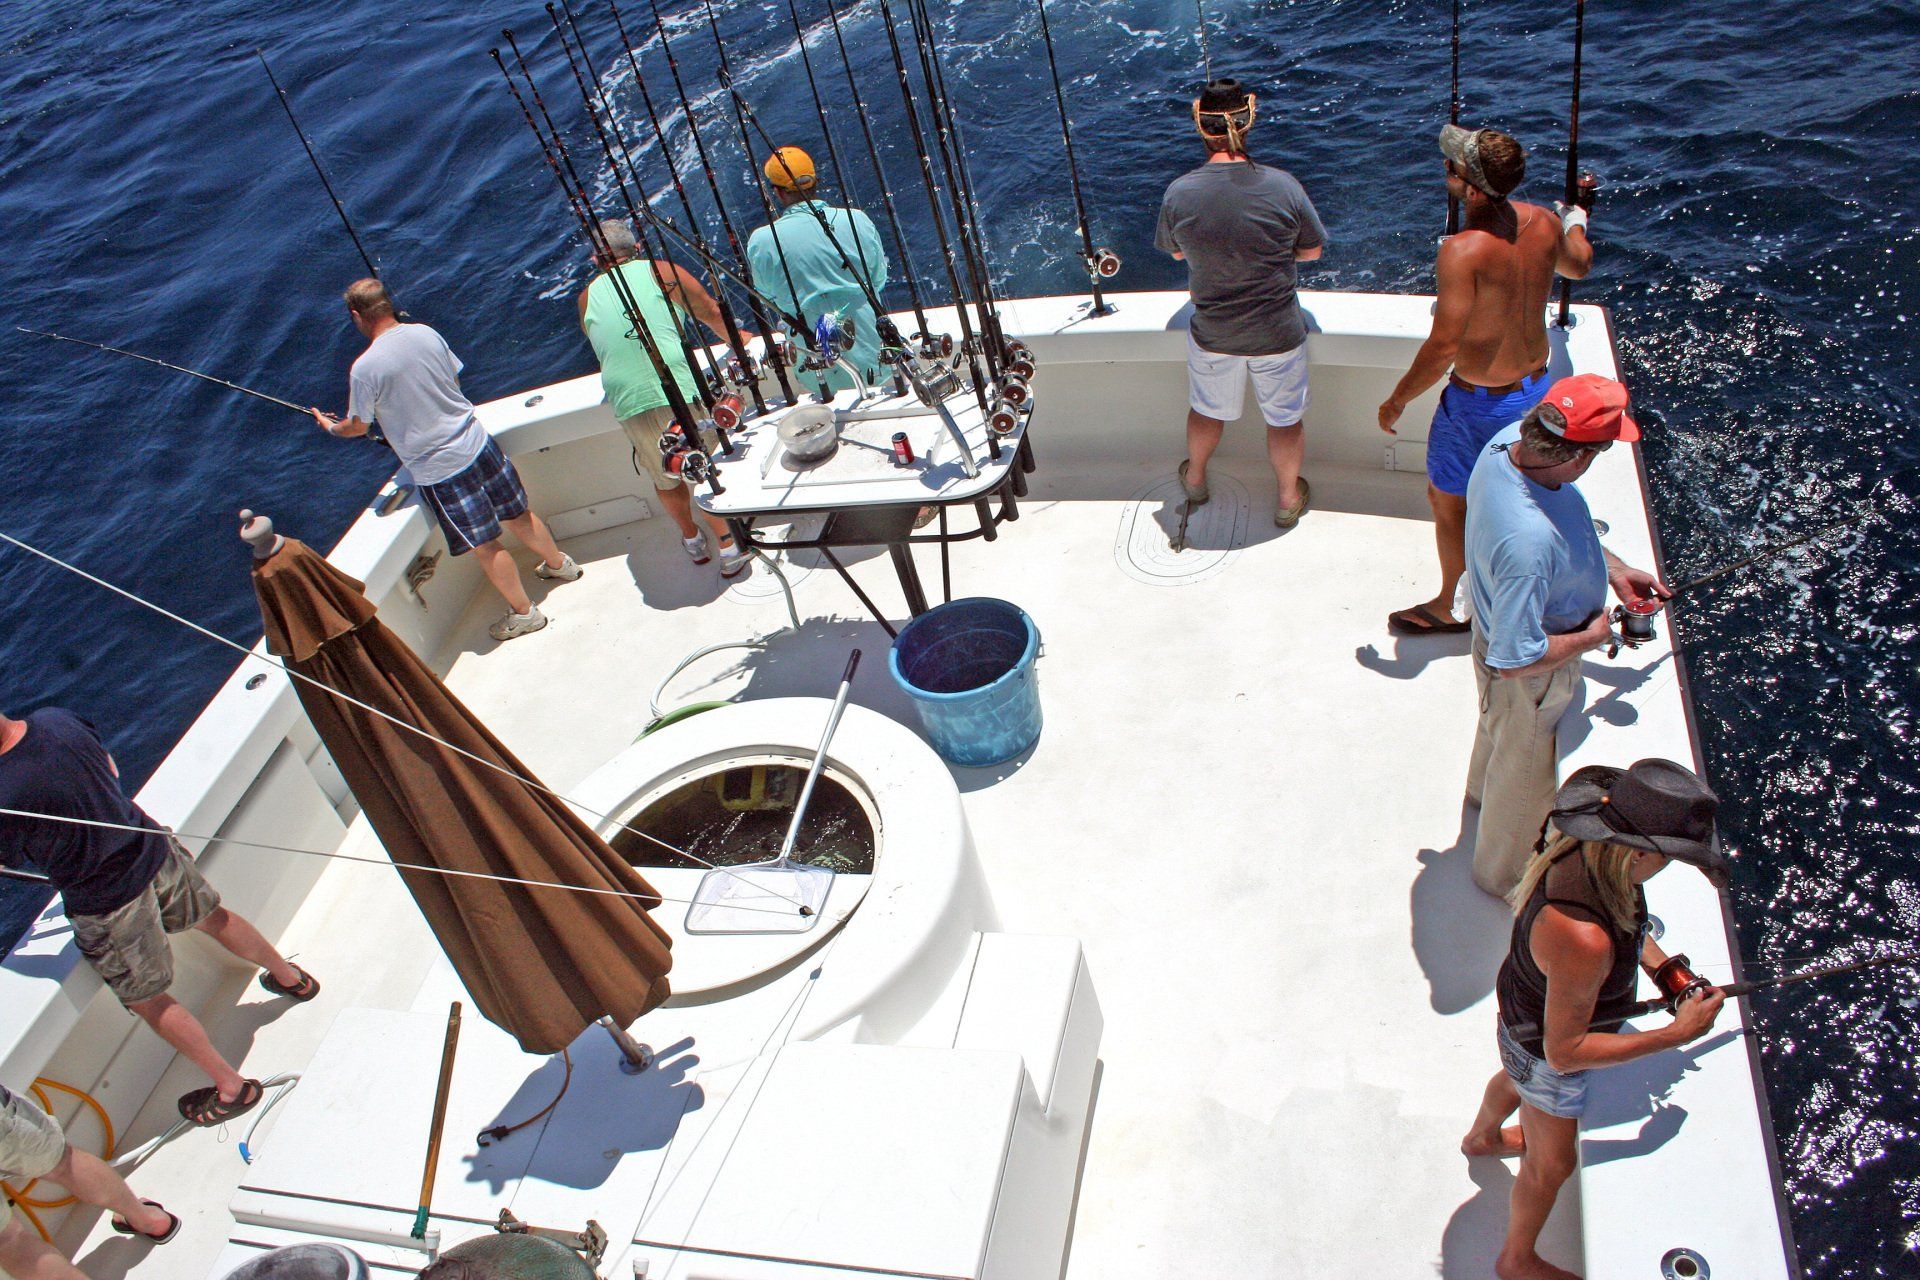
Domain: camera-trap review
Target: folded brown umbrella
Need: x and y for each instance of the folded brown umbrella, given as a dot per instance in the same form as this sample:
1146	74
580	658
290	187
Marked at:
541	963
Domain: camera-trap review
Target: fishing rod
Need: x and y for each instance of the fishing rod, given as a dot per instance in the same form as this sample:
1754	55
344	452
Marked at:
1581	187
1206	53
701	385
728	320
582	205
286	105
1635	618
1453	117
1097	260
1684	982
928	345
820	114
966	211
968	343
823	358
31	877
774	356
302	410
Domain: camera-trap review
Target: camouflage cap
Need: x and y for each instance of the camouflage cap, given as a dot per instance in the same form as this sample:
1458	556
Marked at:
1462	146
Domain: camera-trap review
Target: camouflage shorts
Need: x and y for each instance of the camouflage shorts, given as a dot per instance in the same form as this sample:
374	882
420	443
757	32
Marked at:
31	1144
128	946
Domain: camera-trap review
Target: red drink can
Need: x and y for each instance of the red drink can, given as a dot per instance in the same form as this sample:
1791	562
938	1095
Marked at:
902	449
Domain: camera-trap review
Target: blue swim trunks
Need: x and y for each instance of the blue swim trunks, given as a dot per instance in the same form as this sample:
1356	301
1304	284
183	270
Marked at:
1465	421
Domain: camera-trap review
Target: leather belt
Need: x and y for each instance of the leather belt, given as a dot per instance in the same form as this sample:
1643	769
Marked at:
1506	388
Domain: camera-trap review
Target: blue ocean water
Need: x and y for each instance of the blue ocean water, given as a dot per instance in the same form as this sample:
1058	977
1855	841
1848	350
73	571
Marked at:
1755	240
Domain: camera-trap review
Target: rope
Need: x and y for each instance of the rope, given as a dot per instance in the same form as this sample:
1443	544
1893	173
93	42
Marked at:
397	866
487	1137
275	662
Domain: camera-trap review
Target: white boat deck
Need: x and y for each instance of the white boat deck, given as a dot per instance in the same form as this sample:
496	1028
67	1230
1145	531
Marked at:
1246	804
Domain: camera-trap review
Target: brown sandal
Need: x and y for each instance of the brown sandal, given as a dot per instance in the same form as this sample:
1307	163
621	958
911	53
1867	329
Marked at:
306	989
206	1108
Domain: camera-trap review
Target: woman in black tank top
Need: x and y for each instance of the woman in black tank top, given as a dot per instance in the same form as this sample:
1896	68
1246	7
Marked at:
1579	933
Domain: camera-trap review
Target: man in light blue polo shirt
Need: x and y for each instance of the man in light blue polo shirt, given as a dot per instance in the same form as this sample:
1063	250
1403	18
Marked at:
1537	577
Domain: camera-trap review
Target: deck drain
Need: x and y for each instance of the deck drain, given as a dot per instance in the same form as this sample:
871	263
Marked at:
1215	533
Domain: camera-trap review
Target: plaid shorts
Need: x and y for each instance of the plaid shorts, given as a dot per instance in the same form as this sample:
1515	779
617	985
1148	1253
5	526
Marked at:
128	946
471	505
31	1144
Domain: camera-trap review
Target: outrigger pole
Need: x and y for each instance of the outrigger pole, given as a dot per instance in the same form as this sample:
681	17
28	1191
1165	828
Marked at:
581	204
339	208
302	410
727	317
774	357
1091	256
1453	115
701	384
925	336
1574	186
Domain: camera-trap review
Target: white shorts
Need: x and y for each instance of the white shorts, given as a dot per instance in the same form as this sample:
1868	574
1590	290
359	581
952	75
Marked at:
1217	384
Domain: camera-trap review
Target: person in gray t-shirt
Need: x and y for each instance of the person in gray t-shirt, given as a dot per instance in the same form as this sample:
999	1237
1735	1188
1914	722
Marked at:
1242	228
408	380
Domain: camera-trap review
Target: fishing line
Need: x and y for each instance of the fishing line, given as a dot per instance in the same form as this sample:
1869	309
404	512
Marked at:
886	189
597	241
968	343
727	318
1090	254
348	698
287	105
397	866
774	357
302	410
620	184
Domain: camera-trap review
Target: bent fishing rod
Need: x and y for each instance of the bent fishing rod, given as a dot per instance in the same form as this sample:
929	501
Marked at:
1635	618
774	357
561	162
701	384
302	410
1689	983
1096	260
928	344
729	322
286	105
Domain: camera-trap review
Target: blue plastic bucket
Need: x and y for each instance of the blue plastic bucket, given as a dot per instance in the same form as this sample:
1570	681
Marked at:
968	666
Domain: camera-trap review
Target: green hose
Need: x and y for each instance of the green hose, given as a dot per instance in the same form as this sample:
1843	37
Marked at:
680	713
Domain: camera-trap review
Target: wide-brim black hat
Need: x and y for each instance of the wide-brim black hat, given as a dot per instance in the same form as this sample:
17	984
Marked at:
1655	805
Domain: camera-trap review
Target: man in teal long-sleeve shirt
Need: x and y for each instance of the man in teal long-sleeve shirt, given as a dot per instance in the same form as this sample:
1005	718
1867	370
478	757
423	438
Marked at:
795	256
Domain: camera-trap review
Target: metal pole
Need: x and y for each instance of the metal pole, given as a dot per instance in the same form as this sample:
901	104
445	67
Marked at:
440	1096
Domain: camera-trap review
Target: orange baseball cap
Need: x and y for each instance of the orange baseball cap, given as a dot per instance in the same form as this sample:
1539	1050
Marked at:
1595	409
790	168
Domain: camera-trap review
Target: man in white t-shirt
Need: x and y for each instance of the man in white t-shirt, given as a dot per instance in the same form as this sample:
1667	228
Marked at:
408	381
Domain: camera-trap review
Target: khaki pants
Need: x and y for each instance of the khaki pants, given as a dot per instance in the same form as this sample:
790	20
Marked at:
1513	773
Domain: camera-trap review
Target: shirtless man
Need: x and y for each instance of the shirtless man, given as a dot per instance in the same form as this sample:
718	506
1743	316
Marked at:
1489	325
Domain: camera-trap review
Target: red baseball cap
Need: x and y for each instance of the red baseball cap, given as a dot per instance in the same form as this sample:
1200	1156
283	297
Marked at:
1595	409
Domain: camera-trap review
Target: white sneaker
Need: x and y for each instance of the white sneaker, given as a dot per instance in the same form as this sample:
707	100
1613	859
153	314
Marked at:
734	563
696	548
567	572
518	624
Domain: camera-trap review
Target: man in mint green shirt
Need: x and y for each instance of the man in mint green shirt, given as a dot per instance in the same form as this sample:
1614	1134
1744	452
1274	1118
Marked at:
632	385
798	249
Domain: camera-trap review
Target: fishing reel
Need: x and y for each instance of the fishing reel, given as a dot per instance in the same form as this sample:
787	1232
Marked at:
1102	263
1015	391
689	466
1018	361
1677	981
1633	621
728	409
1003	418
832	337
1585	188
935	346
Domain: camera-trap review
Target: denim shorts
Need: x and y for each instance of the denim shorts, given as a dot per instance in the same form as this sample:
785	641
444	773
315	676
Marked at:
1558	1093
1466	421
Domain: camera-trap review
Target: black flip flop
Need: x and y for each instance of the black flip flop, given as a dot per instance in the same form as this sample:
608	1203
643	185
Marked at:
125	1228
308	988
1430	623
205	1107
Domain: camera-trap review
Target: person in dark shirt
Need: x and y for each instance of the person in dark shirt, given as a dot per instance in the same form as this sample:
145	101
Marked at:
1572	971
126	885
1242	228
